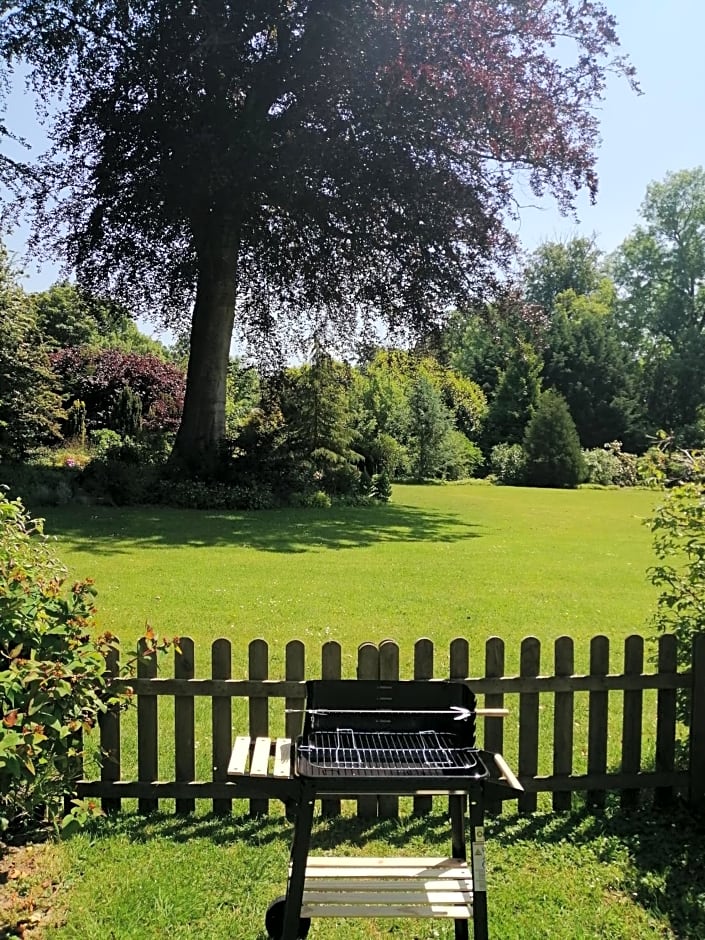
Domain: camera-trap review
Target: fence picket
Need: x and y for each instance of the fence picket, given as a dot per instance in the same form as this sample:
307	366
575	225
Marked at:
666	717
598	715
367	668
147	728
494	727
423	669
388	806
258	661
184	724
221	722
696	790
632	717
529	665
564	661
110	738
331	668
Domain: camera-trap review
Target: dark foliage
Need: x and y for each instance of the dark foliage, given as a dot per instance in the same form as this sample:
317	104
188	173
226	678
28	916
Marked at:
98	377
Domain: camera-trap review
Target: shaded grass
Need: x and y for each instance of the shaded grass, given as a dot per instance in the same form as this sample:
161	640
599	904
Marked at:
573	877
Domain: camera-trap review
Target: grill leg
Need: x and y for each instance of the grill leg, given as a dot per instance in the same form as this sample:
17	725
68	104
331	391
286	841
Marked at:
457	827
299	857
479	878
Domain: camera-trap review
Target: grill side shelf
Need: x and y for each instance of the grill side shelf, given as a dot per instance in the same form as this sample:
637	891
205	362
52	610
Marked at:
388	887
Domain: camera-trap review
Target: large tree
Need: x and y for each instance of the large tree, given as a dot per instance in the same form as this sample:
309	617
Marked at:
660	271
278	156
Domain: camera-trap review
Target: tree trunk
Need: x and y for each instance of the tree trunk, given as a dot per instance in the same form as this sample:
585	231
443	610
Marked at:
203	420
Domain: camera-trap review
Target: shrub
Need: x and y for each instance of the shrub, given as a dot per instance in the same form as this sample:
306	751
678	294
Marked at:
52	682
601	467
508	464
552	445
462	457
678	526
381	487
97	377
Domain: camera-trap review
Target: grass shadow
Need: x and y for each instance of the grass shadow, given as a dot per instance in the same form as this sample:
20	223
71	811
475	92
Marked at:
666	849
109	530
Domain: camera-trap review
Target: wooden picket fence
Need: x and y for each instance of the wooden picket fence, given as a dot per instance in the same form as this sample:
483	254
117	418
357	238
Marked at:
541	727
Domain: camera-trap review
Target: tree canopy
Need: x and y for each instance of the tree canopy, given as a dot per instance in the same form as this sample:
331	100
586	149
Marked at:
342	159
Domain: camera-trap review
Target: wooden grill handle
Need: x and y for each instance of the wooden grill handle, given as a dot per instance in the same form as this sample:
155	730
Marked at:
504	769
491	712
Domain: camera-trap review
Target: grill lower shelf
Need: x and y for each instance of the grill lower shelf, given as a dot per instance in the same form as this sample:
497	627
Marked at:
387	887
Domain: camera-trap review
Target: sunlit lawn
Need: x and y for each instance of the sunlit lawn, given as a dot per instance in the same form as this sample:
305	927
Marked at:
445	561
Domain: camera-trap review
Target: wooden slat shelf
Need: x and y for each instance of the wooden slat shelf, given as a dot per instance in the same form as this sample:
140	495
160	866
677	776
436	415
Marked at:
252	758
387	887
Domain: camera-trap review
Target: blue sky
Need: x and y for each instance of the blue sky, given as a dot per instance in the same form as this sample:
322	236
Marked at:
644	137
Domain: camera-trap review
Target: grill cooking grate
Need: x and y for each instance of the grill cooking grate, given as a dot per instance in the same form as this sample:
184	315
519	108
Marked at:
345	750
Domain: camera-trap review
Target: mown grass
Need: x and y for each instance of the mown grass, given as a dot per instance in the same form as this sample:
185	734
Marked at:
466	560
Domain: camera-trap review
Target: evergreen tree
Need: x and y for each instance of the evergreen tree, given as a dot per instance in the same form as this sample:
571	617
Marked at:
516	397
431	422
552	445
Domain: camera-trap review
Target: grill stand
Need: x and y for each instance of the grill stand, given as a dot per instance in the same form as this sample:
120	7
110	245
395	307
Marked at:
252	773
458	816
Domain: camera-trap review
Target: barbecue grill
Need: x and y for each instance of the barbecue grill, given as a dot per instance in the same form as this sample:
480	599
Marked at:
402	738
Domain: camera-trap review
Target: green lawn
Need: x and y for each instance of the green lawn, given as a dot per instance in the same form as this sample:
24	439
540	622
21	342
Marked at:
461	560
440	561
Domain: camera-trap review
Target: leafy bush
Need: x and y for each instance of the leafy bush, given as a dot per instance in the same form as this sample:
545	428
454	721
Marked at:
678	526
508	464
40	485
98	376
462	457
552	445
381	487
601	467
102	440
52	682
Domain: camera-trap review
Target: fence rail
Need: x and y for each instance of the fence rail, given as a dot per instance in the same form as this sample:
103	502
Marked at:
590	728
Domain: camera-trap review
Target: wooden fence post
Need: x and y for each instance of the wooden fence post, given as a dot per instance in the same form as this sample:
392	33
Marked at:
563	712
221	722
331	668
388	806
147	729
184	728
530	663
696	789
666	717
258	661
597	722
110	738
367	668
423	669
632	718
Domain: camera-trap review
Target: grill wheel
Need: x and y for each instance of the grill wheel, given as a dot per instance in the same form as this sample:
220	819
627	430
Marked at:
274	920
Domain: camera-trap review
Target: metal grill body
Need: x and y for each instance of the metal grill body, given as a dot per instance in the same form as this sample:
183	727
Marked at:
404	730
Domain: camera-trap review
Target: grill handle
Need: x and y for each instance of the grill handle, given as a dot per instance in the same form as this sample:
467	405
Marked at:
491	712
506	772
